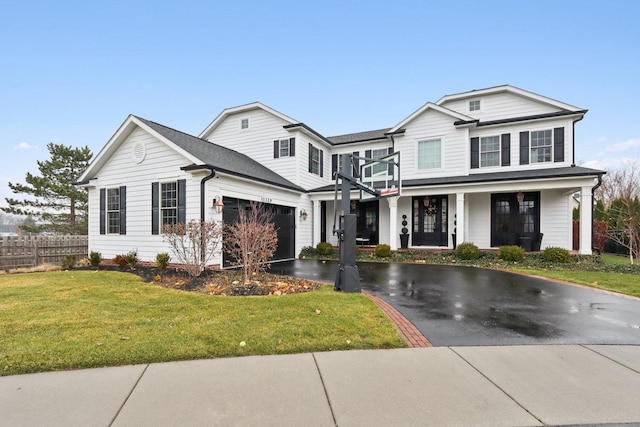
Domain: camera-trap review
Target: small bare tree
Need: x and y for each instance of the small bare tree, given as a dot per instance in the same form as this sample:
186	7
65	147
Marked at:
620	192
252	240
194	244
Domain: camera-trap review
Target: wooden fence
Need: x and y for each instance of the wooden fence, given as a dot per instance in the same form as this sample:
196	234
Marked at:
30	251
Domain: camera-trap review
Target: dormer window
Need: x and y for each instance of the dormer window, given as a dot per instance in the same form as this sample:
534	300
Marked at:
244	124
474	105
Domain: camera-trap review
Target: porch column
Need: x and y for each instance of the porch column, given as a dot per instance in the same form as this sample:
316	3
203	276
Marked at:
393	219
460	220
317	221
586	204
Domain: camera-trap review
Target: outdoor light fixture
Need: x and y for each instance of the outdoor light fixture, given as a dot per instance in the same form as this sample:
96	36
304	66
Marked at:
217	204
520	196
303	214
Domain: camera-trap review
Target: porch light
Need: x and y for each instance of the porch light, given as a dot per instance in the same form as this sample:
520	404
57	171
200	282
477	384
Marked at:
520	196
217	204
303	214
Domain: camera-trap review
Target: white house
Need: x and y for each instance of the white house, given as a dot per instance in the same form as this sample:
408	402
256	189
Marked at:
494	166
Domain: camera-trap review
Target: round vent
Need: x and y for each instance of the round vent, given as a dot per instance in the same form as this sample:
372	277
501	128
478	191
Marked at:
139	152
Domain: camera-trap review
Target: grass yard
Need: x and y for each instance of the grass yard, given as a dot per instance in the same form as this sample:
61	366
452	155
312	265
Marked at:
82	319
624	283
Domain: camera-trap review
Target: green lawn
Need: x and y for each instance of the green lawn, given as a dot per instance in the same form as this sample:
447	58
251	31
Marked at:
624	283
82	319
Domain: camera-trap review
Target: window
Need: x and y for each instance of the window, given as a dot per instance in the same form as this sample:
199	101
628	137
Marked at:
284	148
378	154
244	124
113	211
541	146
474	105
168	203
490	151
315	160
429	154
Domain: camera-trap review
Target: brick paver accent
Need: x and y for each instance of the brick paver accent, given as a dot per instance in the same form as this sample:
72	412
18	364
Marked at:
410	333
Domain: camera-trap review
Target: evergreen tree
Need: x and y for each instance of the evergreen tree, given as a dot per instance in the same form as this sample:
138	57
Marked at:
53	201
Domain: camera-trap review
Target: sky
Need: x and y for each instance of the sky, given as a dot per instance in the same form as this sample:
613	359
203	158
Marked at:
72	71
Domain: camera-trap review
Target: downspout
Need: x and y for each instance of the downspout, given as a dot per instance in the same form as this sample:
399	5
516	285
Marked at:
573	142
212	173
593	198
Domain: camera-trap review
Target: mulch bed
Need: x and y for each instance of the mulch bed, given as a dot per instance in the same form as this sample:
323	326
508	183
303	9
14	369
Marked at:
222	282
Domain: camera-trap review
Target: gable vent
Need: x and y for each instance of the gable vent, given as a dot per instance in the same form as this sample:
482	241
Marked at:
139	152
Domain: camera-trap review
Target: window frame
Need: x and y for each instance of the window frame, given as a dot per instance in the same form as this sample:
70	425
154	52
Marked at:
475	105
284	144
315	163
497	139
547	153
244	123
166	219
430	164
112	213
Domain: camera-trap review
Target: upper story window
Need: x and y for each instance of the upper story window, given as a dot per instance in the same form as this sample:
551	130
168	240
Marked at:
284	148
474	105
168	203
541	146
490	151
430	154
378	154
315	160
113	210
244	124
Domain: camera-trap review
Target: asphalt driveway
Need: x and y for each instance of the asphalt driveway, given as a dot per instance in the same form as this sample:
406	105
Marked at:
463	306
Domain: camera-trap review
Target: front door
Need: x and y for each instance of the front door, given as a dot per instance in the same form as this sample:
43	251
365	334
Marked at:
430	221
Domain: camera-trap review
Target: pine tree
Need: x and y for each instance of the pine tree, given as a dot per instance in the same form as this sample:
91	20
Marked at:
52	200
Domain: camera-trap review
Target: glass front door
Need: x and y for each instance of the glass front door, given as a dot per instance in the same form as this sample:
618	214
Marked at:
430	218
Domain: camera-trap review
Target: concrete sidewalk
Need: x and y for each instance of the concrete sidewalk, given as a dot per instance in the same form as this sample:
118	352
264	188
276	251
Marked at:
474	386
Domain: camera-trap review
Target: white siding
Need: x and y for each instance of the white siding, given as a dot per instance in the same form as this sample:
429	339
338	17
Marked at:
555	219
500	106
478	215
432	125
160	164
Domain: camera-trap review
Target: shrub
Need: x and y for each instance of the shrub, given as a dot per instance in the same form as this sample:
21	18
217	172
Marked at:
195	243
324	248
307	251
95	258
120	260
68	262
467	251
132	259
162	261
511	253
383	250
553	254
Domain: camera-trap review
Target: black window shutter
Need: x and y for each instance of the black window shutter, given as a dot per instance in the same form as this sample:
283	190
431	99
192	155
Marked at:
321	162
558	145
155	208
334	164
123	209
292	147
310	158
103	211
505	145
276	149
367	154
475	153
524	148
182	201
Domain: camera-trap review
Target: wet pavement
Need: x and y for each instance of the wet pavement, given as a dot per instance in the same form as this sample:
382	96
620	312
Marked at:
466	306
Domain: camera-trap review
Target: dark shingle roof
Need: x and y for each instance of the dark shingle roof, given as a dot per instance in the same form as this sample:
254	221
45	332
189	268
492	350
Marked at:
533	174
222	159
370	135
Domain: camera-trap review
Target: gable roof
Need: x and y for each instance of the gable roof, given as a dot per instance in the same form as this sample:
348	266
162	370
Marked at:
430	106
241	109
510	89
196	150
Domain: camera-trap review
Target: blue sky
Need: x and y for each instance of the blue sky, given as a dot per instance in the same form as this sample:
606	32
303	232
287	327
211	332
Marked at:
71	71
